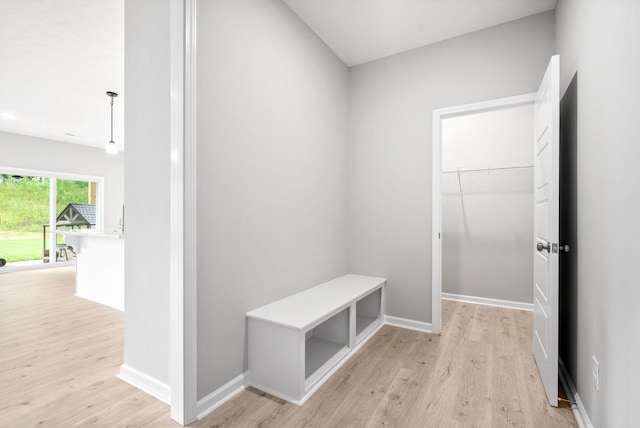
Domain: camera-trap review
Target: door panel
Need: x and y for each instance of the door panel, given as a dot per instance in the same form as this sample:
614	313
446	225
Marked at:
546	219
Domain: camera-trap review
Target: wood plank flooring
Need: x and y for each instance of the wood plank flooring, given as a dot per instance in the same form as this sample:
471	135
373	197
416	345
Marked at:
59	355
479	373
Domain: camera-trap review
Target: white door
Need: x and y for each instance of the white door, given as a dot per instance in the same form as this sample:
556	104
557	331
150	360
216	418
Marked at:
545	264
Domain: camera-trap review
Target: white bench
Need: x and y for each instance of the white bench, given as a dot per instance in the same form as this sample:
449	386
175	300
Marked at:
296	343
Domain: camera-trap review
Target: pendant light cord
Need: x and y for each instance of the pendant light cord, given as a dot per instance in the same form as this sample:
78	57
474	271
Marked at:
112	95
111	118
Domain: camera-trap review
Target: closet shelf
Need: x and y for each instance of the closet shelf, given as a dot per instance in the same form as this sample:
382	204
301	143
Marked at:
498	168
515	179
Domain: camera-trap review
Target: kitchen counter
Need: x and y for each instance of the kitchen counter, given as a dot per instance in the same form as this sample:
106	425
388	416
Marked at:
99	266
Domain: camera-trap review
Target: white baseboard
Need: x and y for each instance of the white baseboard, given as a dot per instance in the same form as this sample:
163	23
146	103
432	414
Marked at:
579	412
221	395
149	384
424	327
509	304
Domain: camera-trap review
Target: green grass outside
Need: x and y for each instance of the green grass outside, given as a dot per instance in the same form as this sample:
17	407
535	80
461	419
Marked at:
21	249
18	247
24	207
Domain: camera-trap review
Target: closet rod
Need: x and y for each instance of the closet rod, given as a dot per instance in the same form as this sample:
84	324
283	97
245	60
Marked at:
488	169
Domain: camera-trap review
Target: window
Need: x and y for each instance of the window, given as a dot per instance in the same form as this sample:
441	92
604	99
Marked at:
31	201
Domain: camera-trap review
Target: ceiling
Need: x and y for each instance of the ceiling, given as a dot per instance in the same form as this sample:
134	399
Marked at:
59	57
360	31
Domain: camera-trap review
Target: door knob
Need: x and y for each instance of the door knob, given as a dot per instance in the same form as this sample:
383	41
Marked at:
542	246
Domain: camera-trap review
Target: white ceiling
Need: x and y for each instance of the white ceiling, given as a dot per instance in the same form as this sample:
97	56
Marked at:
59	57
360	31
57	60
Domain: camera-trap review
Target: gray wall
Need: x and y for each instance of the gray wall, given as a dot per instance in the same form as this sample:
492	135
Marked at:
23	151
598	40
272	126
390	116
146	341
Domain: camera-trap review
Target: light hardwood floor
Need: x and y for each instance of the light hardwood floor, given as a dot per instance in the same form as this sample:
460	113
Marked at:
59	355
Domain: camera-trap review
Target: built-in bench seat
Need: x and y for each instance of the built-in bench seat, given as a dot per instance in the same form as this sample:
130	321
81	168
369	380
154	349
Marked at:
296	343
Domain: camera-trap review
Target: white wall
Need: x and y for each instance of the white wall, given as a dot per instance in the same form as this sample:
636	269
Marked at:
22	151
488	139
598	40
487	216
272	126
147	132
390	117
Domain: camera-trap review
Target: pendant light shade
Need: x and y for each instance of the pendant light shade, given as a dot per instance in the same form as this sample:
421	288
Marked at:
112	149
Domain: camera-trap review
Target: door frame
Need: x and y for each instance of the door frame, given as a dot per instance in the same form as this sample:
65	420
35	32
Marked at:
436	193
183	303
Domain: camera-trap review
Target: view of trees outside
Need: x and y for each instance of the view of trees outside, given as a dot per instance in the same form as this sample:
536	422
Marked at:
24	208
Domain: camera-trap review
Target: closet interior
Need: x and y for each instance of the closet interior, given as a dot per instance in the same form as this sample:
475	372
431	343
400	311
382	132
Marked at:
487	205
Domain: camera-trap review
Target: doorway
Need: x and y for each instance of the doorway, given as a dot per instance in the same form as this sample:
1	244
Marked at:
464	173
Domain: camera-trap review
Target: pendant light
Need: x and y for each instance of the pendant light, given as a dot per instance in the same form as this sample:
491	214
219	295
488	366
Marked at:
112	149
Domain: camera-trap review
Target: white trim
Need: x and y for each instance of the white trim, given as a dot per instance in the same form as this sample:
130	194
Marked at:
146	383
190	220
485	106
183	299
223	394
436	225
100	206
436	190
53	221
579	411
424	327
509	304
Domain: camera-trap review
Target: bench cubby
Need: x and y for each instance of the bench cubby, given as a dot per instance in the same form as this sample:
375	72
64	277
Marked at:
368	314
297	342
